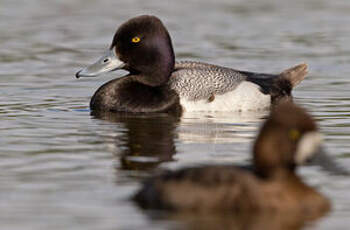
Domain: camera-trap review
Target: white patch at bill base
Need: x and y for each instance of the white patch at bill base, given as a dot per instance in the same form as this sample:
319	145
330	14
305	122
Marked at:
307	146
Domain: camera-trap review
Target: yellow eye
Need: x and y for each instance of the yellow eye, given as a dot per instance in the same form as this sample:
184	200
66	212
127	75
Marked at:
294	134
136	39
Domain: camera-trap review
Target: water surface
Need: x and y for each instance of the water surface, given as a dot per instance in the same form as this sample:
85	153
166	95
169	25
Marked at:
63	168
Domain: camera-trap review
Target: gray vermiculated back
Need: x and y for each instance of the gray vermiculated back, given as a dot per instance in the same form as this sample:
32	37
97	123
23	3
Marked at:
196	81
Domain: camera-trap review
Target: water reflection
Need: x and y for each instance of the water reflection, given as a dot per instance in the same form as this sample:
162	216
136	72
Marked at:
219	127
147	141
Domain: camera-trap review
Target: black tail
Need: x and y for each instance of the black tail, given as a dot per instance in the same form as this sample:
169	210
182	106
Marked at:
279	86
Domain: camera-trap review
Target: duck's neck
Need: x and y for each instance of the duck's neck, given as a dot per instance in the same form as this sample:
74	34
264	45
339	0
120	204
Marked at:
276	173
158	75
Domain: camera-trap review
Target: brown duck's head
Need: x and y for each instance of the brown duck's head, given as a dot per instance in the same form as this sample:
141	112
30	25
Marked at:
289	137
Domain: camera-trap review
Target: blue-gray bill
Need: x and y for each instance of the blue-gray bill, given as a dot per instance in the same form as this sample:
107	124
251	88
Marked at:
107	63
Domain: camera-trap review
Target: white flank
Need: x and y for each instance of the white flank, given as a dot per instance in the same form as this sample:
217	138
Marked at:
246	97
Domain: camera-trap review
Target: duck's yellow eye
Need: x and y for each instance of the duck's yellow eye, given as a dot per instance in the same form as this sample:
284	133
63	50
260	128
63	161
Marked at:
136	39
294	134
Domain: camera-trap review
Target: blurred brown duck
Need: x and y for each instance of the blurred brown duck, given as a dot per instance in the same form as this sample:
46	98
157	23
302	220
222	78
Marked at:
289	137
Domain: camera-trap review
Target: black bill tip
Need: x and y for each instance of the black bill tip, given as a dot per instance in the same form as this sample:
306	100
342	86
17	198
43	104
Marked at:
77	74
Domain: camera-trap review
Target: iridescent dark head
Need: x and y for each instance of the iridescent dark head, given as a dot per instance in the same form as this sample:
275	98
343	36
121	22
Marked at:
142	46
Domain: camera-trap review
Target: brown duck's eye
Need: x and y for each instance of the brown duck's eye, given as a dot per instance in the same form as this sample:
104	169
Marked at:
135	39
294	134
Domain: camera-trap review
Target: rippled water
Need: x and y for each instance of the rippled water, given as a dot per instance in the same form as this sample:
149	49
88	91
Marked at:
62	168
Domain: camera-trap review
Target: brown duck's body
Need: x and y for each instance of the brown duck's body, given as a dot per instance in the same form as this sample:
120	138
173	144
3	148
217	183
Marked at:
240	221
231	189
288	138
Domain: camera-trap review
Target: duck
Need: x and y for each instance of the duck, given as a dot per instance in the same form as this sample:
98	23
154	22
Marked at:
157	83
288	138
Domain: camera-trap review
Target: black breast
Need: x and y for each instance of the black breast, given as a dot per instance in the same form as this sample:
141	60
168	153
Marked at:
127	95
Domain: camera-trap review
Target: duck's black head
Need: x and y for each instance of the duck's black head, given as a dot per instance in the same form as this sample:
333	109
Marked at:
289	137
142	46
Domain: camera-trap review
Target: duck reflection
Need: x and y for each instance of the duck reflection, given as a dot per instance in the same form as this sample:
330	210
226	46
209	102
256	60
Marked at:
147	141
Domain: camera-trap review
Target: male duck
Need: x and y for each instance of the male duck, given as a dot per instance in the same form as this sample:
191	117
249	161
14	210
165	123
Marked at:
288	138
156	83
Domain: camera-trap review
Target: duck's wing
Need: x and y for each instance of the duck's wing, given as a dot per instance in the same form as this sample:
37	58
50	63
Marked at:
196	81
201	188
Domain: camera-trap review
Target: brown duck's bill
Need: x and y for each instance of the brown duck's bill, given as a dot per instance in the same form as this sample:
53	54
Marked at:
107	63
327	163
